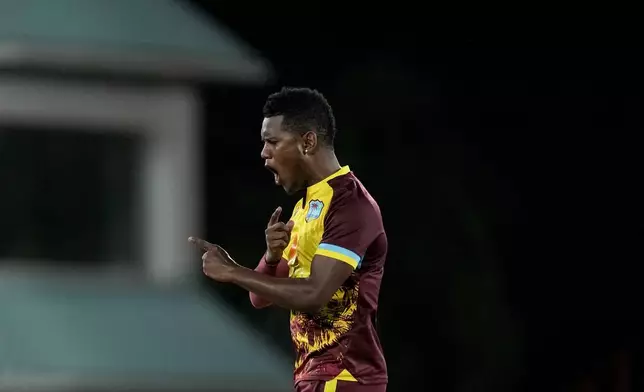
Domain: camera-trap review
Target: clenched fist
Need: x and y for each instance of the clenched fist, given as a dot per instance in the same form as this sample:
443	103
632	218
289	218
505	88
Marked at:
278	235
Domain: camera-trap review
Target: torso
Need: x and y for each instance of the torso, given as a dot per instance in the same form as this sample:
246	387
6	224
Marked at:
340	339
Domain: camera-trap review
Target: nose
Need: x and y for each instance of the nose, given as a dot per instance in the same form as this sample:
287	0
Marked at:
265	152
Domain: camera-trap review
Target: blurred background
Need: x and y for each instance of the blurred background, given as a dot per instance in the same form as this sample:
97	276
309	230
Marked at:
506	161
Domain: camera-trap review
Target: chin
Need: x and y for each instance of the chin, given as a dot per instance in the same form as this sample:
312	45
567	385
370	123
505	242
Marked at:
291	189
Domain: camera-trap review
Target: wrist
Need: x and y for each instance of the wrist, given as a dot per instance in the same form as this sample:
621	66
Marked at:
231	271
271	262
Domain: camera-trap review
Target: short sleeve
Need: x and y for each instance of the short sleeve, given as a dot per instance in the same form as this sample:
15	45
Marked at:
350	226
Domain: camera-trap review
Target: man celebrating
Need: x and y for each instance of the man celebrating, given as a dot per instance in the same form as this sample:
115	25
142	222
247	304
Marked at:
326	263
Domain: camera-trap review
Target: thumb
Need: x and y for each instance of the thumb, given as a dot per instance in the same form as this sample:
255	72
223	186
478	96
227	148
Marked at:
290	225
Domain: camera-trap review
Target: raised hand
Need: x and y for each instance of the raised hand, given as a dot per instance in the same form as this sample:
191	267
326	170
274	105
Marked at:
278	235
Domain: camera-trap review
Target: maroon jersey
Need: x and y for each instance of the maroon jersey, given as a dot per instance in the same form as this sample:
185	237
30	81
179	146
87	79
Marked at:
339	219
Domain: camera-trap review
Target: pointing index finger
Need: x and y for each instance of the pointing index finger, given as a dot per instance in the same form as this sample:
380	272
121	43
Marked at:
205	245
275	217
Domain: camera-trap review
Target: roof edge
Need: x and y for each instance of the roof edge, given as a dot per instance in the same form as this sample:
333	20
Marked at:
129	61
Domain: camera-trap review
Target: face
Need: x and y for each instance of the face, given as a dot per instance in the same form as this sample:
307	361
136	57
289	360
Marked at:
283	155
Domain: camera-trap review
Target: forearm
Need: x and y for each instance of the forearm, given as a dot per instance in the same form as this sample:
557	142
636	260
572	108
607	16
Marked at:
293	294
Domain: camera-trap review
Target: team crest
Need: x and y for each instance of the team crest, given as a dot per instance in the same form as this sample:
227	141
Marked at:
315	210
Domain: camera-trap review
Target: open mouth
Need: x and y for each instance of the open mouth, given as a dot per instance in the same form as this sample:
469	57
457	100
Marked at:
277	176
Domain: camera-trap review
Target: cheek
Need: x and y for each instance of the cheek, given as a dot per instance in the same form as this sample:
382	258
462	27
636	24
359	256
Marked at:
287	158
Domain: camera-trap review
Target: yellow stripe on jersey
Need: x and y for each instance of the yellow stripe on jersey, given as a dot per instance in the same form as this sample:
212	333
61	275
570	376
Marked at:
332	385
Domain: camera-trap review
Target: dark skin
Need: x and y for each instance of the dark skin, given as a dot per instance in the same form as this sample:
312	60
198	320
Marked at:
297	162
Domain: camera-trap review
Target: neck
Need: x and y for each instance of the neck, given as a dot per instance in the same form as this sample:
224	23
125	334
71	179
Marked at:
324	164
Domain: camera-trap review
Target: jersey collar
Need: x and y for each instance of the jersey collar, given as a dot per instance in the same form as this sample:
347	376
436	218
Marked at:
311	190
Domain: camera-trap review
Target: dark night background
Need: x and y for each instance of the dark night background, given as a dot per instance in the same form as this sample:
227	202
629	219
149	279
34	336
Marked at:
507	169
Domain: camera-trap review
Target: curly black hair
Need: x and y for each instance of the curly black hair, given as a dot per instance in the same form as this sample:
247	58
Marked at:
304	110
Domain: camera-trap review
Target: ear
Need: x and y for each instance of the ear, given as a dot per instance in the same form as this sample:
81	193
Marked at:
310	141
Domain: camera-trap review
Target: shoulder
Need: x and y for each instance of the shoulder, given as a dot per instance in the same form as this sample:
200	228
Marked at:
351	198
352	227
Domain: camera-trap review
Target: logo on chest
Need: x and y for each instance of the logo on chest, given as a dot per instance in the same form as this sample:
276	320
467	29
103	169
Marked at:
315	210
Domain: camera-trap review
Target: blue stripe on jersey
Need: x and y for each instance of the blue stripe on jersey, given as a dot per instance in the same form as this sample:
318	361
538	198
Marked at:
342	251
